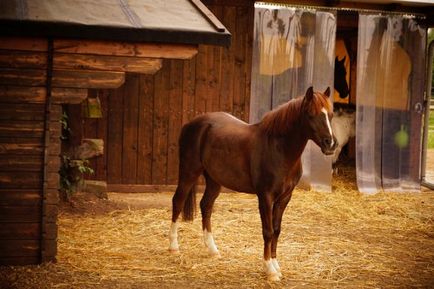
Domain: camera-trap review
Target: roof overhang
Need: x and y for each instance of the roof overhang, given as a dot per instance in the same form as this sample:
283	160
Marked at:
174	21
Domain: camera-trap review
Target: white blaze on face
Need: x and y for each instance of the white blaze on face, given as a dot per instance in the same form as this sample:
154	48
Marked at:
323	110
209	243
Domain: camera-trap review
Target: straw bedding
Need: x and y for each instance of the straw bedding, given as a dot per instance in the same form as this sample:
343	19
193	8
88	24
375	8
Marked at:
329	240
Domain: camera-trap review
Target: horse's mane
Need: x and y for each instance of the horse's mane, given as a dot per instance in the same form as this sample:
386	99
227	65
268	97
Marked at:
280	120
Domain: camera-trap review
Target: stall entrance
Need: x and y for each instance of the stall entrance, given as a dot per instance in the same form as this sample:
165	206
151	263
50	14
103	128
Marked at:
384	59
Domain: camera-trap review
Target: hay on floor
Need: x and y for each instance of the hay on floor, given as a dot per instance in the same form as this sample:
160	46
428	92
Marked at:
340	239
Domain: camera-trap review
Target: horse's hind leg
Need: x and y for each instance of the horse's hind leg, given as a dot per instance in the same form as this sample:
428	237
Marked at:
212	191
184	193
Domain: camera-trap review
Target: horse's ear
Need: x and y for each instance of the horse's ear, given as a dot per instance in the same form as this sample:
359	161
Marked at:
309	93
327	92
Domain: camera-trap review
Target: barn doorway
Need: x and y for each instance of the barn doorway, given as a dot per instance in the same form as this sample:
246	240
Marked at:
378	51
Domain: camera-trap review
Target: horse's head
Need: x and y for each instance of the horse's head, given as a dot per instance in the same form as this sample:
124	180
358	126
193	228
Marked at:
341	84
317	114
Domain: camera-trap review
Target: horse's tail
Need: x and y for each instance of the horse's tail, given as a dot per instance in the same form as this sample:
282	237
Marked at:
189	210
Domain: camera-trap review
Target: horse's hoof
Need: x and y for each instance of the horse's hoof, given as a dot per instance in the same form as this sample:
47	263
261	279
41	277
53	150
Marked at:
274	277
174	251
215	255
279	274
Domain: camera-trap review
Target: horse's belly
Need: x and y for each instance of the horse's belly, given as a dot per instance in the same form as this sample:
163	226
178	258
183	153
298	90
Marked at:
228	167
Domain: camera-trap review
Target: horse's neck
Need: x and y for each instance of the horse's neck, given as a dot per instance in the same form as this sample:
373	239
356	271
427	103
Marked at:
290	146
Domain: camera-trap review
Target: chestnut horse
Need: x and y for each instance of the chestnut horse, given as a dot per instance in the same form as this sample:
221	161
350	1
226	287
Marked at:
262	159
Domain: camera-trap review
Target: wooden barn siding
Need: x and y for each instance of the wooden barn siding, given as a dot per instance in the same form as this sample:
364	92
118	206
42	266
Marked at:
142	119
22	209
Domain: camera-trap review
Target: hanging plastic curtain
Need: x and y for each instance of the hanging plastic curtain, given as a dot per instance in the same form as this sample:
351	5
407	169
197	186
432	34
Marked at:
293	49
390	84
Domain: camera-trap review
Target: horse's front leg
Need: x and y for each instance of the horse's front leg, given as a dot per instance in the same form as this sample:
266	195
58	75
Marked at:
278	209
266	211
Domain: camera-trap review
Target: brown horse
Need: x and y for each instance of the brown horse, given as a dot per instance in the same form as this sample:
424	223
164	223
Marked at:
262	159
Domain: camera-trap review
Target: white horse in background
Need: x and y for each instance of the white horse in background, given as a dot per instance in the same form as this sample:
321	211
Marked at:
344	127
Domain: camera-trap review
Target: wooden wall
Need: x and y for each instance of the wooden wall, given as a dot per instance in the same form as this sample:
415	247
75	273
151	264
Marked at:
142	119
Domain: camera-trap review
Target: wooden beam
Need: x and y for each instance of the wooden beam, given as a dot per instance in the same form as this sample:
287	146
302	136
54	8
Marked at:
152	50
62	78
102	62
23	43
87	79
31	59
97	47
20	94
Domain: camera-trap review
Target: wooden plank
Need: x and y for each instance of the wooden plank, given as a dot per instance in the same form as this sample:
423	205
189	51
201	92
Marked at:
188	90
62	78
146	111
95	47
21	163
19	248
147	188
20	94
228	61
201	80
52	180
87	79
22	112
101	133
175	120
26	59
152	50
248	66
22	59
114	136
23	43
21	145
20	214
68	95
239	43
20	180
23	77
49	231
13	197
89	128
17	128
106	63
48	250
51	196
130	128
132	188
159	146
49	213
20	231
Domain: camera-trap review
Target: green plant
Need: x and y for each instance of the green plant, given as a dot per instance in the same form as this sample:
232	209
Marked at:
71	170
71	175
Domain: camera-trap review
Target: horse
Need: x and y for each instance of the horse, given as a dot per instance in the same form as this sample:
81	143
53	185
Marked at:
340	83
262	158
344	127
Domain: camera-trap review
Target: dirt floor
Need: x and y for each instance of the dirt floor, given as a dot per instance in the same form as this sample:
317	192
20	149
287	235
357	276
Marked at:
341	239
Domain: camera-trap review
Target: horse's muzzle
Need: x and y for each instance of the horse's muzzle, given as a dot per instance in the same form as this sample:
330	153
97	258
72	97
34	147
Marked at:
329	145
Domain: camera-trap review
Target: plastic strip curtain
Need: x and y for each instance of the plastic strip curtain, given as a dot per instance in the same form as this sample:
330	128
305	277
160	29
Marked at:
390	84
293	49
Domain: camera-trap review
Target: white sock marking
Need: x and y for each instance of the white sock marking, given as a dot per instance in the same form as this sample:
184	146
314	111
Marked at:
276	266
173	237
323	110
271	272
208	239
